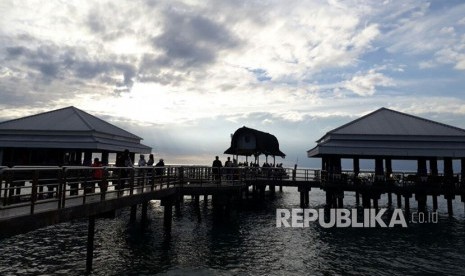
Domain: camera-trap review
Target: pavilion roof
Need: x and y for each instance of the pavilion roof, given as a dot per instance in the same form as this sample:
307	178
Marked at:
387	132
69	128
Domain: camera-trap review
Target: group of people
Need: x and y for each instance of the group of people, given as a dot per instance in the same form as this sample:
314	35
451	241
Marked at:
218	170
122	160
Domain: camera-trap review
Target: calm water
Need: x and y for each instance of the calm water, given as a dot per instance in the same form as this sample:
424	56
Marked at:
246	242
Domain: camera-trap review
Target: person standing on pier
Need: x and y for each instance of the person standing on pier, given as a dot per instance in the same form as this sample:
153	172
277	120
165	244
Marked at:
228	168
97	175
216	168
160	167
151	160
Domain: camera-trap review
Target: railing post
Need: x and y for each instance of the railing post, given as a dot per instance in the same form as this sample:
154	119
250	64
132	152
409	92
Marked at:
63	194
60	187
35	180
152	178
131	181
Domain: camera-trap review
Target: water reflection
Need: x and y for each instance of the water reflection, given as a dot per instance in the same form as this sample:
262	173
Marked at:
246	242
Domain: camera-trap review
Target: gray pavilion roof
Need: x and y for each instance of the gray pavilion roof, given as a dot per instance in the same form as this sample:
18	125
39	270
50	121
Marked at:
386	132
69	128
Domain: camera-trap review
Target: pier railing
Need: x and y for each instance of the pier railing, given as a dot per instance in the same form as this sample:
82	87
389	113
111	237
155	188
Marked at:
403	180
59	187
45	188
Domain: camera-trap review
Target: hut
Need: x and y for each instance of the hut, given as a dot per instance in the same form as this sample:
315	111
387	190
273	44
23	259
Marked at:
247	142
67	136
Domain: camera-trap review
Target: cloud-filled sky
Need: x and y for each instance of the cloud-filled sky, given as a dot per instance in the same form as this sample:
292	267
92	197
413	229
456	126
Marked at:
184	75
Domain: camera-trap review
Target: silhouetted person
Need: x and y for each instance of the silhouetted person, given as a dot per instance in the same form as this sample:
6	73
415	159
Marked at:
97	176
160	167
142	161
151	160
228	168
216	168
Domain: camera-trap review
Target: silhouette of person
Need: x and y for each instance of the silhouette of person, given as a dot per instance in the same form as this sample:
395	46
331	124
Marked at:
216	168
160	167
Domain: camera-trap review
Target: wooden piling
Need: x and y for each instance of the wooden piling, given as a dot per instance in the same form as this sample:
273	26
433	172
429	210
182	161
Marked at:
407	205
449	206
143	218
133	213
90	244
167	216
435	202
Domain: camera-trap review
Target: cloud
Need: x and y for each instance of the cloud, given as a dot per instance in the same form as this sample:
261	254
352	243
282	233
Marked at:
191	40
364	84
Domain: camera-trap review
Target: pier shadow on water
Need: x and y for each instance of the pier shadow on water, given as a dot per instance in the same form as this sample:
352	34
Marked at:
245	242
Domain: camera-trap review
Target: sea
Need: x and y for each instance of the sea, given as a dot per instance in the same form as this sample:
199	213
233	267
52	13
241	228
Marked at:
244	241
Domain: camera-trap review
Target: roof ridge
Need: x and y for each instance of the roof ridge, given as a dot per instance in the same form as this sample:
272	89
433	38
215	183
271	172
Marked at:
356	120
425	119
101	120
34	115
75	110
397	112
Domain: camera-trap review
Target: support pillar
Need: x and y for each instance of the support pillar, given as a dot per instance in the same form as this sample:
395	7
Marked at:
357	198
399	201
340	202
449	206
272	190
375	203
389	194
132	217
205	200
105	156
329	199
435	202
90	243
379	168
407	205
421	199
87	158
433	166
167	216
143	218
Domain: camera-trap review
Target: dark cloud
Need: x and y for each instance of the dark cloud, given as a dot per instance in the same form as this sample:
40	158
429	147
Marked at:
55	62
191	40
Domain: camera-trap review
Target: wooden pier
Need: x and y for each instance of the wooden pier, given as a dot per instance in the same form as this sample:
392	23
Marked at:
35	197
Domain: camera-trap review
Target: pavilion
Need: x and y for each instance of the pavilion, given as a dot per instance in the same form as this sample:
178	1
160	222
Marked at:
67	136
385	135
247	141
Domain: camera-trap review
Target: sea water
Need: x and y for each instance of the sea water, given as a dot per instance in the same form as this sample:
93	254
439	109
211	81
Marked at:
245	242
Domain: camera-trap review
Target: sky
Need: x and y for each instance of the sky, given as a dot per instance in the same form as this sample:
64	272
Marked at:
184	75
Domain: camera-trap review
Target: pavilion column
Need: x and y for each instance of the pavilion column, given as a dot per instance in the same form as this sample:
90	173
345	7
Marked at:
448	178
87	158
1	157
337	167
462	170
105	155
388	162
421	195
78	158
356	162
433	168
379	168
